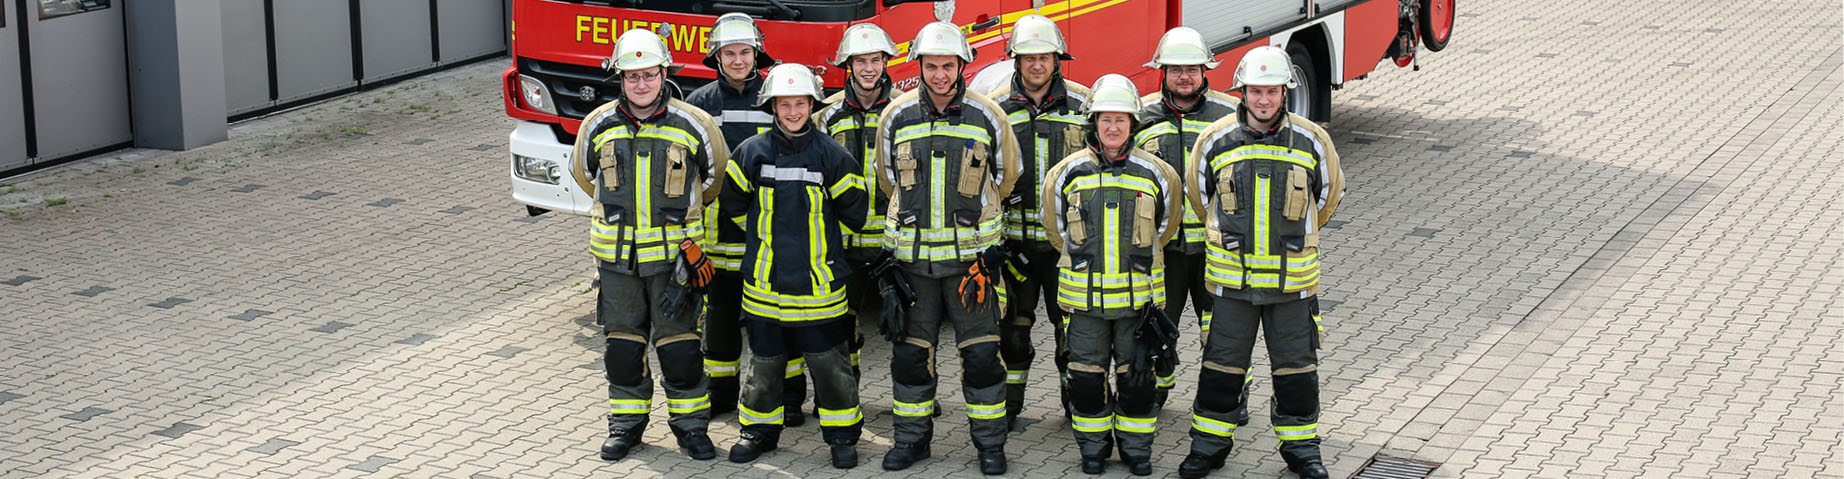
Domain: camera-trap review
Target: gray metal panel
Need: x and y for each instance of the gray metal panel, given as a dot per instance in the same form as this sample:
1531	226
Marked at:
471	28
1222	21
79	82
395	37
313	48
246	56
12	106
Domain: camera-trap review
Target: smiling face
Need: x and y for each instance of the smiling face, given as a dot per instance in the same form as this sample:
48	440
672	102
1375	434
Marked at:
736	60
1113	129
940	72
791	112
642	87
867	69
1264	102
1184	80
1034	70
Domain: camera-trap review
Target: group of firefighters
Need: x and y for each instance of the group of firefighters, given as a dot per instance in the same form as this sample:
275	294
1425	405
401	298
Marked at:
757	209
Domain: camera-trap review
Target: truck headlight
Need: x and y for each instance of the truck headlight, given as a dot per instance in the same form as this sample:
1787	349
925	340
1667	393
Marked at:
536	169
536	95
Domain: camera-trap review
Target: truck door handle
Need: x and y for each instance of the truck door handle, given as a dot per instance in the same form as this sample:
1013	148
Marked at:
985	24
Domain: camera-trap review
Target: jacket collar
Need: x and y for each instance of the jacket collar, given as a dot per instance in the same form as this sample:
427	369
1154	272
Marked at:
954	104
1056	96
882	95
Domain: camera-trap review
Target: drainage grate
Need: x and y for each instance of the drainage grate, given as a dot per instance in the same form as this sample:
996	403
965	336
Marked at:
1385	467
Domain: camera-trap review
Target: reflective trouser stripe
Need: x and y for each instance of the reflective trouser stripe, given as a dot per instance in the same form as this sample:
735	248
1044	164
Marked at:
840	417
1213	427
1203	321
794	367
855	358
1017	377
1167	382
921	409
751	416
720	369
1297	433
688	406
986	411
1143	425
629	406
1091	424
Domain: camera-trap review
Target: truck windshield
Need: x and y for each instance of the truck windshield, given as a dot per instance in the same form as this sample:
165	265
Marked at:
797	10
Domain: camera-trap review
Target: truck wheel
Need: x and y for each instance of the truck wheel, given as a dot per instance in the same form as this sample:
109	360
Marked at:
1313	98
1436	23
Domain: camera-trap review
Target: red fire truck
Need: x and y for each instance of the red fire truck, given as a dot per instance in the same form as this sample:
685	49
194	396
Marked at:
558	46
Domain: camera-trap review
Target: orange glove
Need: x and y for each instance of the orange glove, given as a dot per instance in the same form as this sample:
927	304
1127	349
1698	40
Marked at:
699	269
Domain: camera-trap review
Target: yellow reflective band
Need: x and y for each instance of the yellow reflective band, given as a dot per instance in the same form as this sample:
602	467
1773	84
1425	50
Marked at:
1017	117
1166	382
1141	425
986	411
720	369
1091	424
750	416
850	181
1297	433
742	180
1262	193
854	358
816	243
759	301
1064	118
840	417
940	128
919	409
616	133
795	367
1017	377
1262	152
1112	180
688	406
765	228
1213	427
629	406
670	134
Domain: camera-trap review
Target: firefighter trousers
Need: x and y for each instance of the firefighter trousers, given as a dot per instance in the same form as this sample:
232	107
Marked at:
1101	415
629	309
1292	334
835	388
1029	283
1184	279
723	347
912	363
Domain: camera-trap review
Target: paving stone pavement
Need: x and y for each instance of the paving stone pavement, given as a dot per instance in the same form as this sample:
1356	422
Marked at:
1591	238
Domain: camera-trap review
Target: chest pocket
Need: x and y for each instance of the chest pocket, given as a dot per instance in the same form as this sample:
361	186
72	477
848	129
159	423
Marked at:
1143	222
1226	191
973	171
906	165
1299	186
676	170
611	171
1072	140
1072	216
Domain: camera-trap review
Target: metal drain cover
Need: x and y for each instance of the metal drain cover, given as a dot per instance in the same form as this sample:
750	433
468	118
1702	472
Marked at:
1385	467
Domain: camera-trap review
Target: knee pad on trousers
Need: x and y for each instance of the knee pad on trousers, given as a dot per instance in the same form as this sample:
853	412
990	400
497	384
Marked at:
1093	387
909	364
1297	394
982	365
1017	342
679	362
625	362
1225	393
1134	401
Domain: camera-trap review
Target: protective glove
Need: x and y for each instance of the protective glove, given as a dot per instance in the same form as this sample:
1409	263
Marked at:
698	268
976	287
898	297
1154	345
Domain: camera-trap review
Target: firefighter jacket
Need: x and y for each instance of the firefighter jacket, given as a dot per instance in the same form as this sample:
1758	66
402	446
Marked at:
946	172
854	126
1263	196
735	113
795	195
652	178
1168	132
1110	219
1047	132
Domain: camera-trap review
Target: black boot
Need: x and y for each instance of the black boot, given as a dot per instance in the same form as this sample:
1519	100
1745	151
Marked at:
698	446
1241	414
1139	466
1197	465
1307	466
905	454
618	444
751	446
1094	465
1014	405
992	460
723	396
844	455
794	417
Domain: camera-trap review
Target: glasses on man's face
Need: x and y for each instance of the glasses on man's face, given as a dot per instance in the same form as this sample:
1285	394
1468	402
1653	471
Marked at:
1190	70
639	77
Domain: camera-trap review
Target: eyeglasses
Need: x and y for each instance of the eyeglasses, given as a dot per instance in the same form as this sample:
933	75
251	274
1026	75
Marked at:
1184	70
640	77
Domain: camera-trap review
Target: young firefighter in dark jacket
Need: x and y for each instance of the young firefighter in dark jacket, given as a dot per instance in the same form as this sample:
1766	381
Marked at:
794	191
1266	182
737	54
1110	209
654	163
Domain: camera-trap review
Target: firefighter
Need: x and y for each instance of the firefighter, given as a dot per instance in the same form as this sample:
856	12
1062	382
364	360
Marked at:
1265	181
1182	108
737	54
1045	112
653	162
946	160
795	191
851	117
1110	209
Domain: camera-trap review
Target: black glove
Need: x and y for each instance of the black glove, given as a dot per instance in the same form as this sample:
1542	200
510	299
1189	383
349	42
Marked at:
897	294
678	293
1154	345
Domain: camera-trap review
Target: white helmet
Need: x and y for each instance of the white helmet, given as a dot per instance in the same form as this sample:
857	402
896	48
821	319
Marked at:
735	28
1182	46
1034	34
940	38
638	49
1113	92
860	39
790	79
1266	65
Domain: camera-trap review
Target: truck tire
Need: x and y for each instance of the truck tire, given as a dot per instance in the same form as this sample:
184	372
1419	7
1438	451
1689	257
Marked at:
1313	97
1436	23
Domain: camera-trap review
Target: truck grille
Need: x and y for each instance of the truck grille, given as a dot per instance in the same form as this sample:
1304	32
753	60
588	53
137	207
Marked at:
566	83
